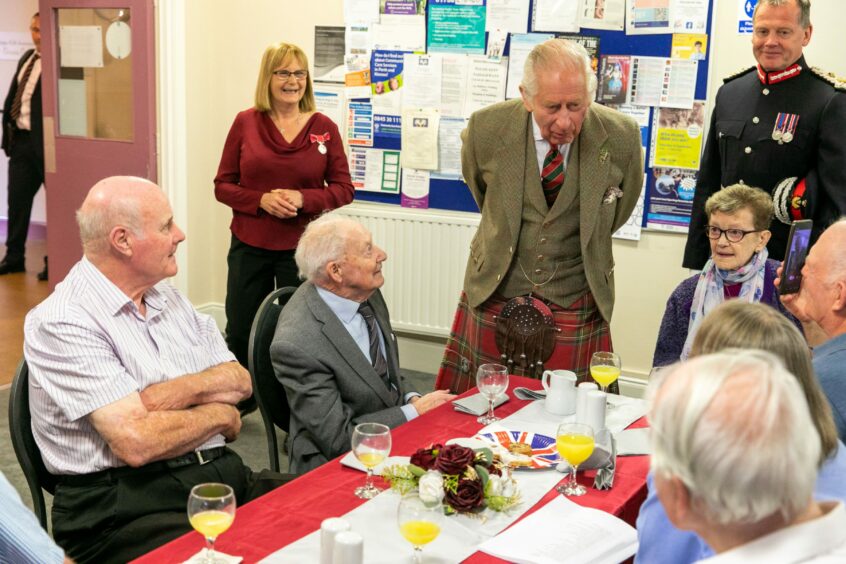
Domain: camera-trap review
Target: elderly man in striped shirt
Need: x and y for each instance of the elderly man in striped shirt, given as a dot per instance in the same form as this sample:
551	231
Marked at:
132	391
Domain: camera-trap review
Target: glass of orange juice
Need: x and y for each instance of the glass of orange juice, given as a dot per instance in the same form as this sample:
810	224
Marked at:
419	522
575	443
605	368
371	444
211	510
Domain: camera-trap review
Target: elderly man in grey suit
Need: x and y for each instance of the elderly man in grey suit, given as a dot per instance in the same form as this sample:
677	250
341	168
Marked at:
334	350
554	177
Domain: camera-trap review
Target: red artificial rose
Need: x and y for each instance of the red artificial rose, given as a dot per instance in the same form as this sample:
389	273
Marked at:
468	495
454	459
425	457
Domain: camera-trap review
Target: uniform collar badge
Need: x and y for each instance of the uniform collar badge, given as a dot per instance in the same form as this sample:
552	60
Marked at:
778	76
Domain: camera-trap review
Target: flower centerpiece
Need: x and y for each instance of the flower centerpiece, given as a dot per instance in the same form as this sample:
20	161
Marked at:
466	480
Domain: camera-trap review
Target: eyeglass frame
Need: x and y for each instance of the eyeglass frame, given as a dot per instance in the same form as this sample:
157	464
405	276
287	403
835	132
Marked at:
725	232
286	74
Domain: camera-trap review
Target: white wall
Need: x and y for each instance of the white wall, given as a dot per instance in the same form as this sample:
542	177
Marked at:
15	16
225	42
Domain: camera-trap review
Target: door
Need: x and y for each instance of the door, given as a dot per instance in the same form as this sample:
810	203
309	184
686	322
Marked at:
98	88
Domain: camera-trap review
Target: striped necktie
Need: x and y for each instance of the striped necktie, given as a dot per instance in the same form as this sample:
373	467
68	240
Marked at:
17	102
376	357
552	175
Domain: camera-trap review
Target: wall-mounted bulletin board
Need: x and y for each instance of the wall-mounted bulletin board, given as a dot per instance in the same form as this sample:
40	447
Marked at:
402	77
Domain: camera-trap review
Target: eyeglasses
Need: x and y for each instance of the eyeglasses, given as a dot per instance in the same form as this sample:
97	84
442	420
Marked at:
285	75
733	235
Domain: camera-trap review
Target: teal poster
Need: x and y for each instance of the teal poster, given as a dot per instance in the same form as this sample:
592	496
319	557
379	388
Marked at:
456	26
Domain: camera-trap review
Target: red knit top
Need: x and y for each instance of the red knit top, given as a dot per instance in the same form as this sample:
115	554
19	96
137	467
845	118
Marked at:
256	159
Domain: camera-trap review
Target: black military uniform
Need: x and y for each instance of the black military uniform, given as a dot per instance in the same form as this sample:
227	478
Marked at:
784	132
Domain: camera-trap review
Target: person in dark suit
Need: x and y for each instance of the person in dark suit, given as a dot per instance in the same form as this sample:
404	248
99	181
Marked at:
554	177
334	350
778	126
23	142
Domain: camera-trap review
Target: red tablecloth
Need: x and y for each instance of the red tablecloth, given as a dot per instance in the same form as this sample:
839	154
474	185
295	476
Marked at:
296	509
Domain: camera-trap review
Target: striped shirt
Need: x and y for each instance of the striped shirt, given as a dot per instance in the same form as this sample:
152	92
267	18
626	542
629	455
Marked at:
22	540
87	345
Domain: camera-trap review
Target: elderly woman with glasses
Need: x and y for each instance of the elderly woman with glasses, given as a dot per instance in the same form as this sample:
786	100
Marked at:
283	164
739	218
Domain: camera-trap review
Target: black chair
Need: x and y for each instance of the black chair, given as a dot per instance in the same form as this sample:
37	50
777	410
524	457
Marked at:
27	451
269	393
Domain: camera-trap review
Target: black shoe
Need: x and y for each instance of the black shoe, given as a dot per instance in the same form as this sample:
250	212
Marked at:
8	267
42	276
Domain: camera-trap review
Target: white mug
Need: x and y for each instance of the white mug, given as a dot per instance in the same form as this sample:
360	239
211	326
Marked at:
560	386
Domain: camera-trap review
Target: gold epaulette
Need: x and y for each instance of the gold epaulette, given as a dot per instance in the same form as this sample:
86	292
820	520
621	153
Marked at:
838	83
738	74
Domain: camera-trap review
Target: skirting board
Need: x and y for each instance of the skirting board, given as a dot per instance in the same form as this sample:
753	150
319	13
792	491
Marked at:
423	353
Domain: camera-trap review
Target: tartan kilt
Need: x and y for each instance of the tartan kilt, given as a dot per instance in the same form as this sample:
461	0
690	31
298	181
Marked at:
472	342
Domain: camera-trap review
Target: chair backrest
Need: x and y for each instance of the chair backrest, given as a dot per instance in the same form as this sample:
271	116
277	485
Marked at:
26	449
269	393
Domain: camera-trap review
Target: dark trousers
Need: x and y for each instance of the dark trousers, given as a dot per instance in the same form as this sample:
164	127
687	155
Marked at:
122	515
253	274
26	175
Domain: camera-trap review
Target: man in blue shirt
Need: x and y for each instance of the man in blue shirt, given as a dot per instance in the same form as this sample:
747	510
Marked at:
822	299
22	540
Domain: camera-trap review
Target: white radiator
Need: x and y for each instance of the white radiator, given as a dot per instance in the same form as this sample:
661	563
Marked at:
427	253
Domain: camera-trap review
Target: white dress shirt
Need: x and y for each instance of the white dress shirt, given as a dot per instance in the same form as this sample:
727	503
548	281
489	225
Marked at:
87	345
542	147
821	541
23	121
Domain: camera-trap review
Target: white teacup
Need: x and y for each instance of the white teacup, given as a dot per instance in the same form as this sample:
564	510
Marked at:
560	386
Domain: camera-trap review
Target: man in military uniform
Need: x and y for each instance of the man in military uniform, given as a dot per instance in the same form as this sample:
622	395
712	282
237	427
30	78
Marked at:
779	126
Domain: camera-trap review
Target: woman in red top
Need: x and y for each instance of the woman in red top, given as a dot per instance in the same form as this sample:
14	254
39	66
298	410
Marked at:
283	164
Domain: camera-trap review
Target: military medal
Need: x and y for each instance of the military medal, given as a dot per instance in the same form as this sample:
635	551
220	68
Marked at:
785	127
320	140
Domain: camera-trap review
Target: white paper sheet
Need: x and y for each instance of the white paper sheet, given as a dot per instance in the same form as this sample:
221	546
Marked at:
358	40
631	230
521	46
669	83
485	83
449	148
556	15
415	188
400	33
421	81
508	15
329	99
13	44
562	527
453	84
679	88
420	138
81	46
689	16
603	14
648	17
496	44
361	11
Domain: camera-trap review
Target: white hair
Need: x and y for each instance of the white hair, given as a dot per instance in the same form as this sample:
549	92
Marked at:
554	54
323	241
736	429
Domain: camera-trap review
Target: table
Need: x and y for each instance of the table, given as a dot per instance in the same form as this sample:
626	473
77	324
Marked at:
294	510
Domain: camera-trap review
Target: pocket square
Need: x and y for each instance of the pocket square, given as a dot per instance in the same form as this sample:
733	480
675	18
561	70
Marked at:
613	193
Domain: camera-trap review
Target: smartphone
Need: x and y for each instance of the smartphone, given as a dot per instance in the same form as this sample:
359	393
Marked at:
798	243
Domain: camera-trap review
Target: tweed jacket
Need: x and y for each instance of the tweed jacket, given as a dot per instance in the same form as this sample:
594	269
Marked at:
331	385
499	163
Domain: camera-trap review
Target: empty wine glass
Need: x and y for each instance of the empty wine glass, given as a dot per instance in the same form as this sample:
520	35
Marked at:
419	522
575	443
371	444
492	380
211	510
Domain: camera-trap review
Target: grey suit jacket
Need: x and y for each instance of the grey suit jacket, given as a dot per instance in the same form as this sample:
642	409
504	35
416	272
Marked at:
499	162
331	385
